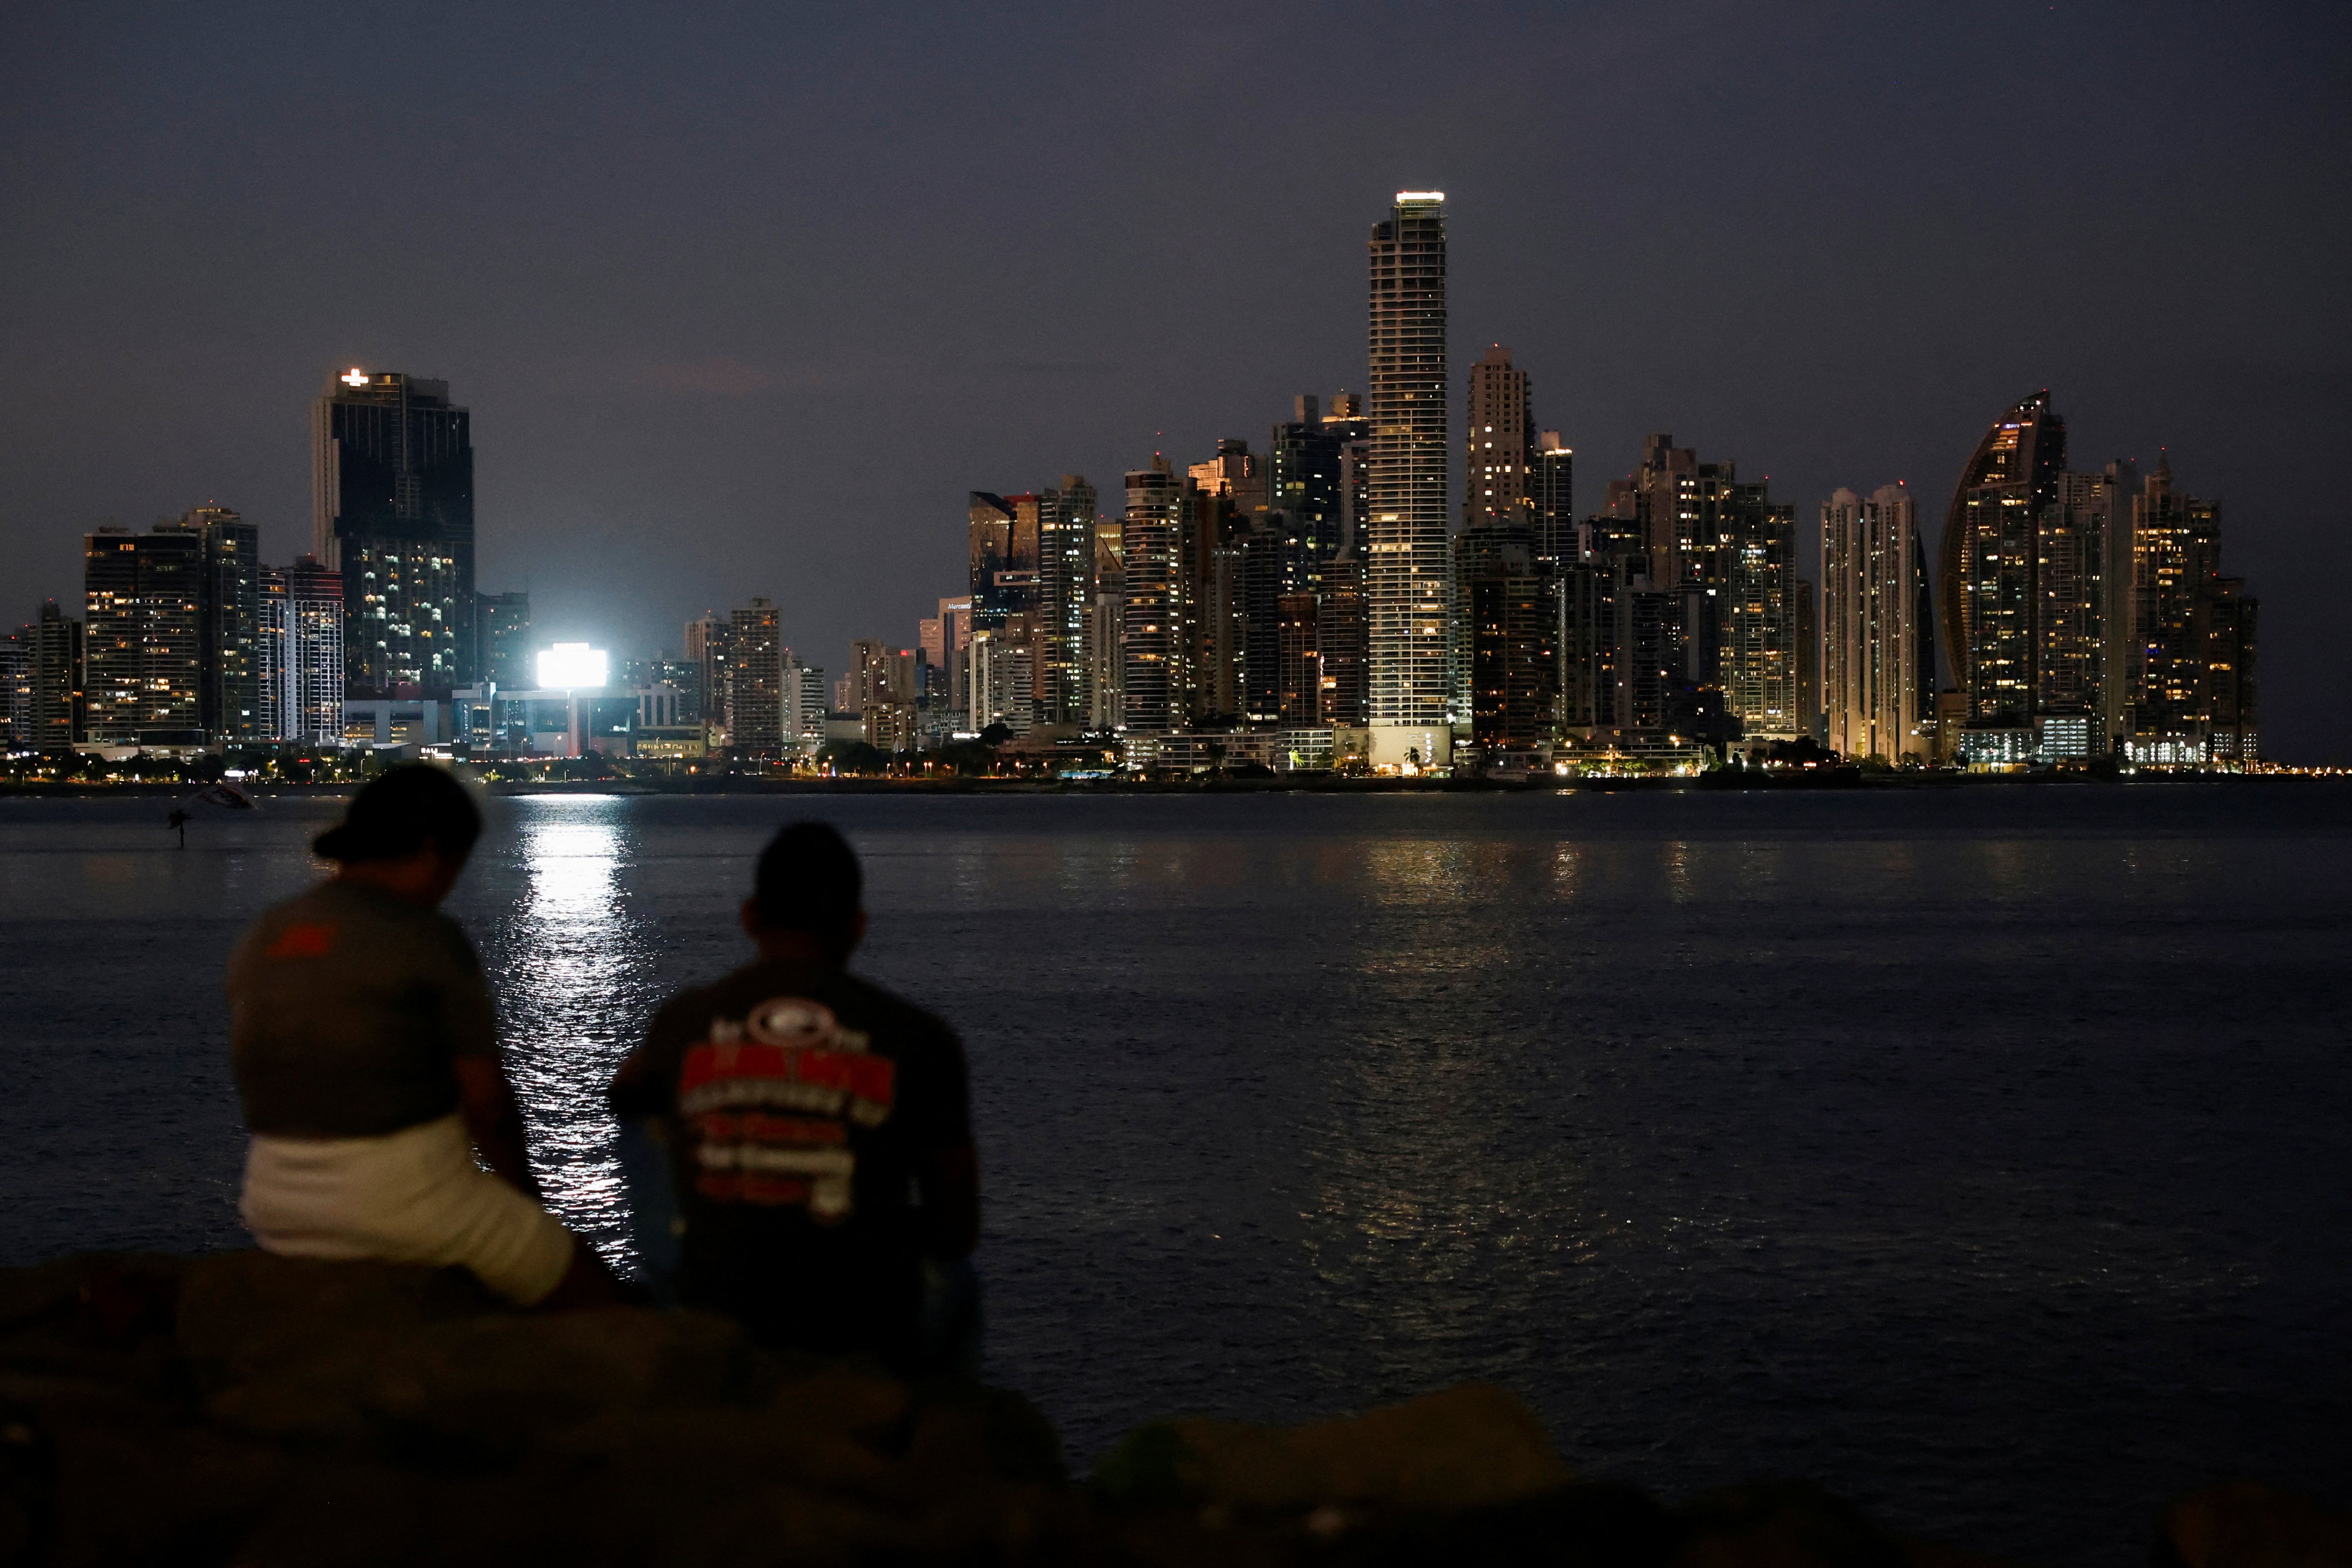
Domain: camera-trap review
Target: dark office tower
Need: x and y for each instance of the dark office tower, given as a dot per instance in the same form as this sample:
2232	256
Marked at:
231	620
394	469
1065	547
989	530
1299	665
1587	593
58	718
1757	603
755	679
2232	732
1154	552
1343	643
1305	488
1255	559
1508	631
144	644
502	641
1406	576
1344	421
1809	663
703	644
1988	561
1552	491
1873	694
2115	572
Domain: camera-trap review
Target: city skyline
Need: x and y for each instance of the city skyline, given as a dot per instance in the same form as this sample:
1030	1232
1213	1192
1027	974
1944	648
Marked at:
616	419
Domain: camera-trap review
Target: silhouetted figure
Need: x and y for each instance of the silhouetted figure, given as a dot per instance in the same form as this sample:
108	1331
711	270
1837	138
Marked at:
366	1052
818	1131
179	819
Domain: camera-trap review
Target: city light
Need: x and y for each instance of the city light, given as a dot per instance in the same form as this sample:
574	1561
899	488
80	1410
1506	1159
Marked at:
569	665
357	377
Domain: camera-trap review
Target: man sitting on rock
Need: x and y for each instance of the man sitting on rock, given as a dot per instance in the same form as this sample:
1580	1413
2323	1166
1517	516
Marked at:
818	1128
366	1052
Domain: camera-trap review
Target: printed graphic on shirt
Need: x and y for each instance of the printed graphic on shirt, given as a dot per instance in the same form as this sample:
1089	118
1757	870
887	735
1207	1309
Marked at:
771	1100
303	941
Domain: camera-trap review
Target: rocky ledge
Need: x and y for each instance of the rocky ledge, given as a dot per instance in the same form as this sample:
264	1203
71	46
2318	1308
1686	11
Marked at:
239	1408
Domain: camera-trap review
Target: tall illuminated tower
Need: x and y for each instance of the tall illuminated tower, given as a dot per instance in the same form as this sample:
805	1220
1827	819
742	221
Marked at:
1406	543
392	489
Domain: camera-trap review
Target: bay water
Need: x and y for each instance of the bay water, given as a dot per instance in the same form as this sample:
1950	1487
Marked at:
1983	1154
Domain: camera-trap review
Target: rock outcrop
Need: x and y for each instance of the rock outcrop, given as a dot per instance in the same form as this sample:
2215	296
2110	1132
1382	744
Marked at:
244	1409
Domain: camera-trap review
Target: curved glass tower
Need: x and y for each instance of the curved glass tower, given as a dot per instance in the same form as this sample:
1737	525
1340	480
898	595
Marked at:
1987	559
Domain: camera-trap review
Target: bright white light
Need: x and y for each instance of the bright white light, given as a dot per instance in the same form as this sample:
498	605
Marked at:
357	378
569	665
1421	196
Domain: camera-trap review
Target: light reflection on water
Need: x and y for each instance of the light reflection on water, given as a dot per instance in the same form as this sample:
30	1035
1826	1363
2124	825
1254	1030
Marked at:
573	980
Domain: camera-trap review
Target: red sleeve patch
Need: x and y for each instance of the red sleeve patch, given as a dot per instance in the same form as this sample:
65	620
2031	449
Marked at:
303	941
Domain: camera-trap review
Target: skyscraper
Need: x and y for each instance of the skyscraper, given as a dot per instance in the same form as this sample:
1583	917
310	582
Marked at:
1551	490
754	674
17	689
300	674
57	716
1066	550
502	641
1758	605
144	644
2192	680
1872	692
231	618
1406	546
1989	552
1499	453
1508	636
393	469
1154	652
1307	491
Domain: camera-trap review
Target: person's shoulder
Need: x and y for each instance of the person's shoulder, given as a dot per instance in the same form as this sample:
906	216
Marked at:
891	1012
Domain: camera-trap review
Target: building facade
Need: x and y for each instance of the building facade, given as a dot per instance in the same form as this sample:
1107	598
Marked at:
144	637
392	485
1406	556
1873	701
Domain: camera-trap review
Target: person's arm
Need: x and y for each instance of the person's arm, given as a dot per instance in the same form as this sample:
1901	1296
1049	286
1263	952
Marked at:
486	1098
494	1119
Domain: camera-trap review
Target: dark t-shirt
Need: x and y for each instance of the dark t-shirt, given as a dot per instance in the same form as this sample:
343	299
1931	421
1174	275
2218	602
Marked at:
348	1007
802	1106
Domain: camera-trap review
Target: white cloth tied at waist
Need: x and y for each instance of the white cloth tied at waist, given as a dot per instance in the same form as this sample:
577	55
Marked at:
411	1196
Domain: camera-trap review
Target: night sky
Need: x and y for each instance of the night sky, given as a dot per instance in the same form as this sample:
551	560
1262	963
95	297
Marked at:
745	301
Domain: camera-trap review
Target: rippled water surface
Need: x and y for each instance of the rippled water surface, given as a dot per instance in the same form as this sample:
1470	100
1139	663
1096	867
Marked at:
1985	1154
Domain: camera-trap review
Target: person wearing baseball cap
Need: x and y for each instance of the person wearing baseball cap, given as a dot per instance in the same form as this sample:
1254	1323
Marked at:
366	1054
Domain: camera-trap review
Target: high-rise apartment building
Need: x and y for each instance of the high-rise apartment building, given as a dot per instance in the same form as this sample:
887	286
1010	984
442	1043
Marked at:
1406	552
1065	556
144	637
1508	636
1498	455
1344	421
2075	613
1874	698
1343	644
56	720
754	679
17	690
230	615
1988	554
1757	606
1158	609
300	667
995	588
502	641
2190	684
393	469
